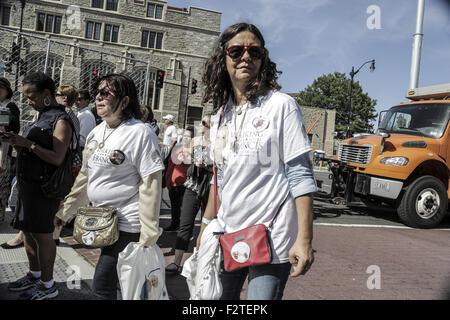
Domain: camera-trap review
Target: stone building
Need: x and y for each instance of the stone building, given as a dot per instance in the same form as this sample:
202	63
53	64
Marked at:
321	123
321	126
174	40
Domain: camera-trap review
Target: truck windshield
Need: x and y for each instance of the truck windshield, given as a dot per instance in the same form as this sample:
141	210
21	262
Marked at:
427	120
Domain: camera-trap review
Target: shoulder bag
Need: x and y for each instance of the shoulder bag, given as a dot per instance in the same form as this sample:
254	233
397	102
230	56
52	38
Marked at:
96	226
61	181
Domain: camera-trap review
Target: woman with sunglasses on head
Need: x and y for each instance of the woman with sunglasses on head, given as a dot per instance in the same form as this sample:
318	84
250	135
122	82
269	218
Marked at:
121	169
263	161
40	150
196	191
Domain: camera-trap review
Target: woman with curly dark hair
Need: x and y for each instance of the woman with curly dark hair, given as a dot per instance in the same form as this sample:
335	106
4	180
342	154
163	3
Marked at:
264	173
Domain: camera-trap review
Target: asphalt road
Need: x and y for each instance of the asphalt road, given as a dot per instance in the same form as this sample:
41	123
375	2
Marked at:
328	213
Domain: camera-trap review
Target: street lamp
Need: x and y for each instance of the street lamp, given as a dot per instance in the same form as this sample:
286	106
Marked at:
352	75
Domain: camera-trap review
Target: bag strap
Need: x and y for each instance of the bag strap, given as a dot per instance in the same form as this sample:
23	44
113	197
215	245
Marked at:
214	166
74	132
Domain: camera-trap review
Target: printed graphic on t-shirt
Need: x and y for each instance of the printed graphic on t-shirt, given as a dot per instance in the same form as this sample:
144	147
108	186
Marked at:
105	157
260	123
117	157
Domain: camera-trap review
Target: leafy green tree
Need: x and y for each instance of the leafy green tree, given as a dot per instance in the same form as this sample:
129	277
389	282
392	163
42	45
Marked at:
332	91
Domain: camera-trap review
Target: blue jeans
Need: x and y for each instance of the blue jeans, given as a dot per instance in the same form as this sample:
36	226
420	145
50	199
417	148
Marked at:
266	282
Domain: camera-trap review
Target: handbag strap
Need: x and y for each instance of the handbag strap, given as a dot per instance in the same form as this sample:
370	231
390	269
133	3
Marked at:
215	178
214	166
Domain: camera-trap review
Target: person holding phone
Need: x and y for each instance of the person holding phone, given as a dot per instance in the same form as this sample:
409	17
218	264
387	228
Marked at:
41	149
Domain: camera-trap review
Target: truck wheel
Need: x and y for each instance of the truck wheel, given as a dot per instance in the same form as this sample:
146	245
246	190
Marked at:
424	204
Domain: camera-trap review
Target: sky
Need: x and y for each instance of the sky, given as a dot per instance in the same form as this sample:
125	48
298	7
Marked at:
310	38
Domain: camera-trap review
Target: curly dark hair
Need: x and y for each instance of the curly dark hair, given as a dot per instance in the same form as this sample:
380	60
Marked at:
122	86
216	79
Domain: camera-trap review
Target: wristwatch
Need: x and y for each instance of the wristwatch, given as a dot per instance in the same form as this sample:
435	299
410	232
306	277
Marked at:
33	146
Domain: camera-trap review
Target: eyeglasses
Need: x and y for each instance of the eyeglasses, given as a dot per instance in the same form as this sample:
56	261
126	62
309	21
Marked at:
236	52
105	93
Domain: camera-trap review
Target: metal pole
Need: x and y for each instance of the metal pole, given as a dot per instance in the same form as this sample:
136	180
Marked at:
417	46
352	75
187	99
47	56
16	83
147	82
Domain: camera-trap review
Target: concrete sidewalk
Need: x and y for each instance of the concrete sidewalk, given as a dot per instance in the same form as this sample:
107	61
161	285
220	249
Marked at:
14	264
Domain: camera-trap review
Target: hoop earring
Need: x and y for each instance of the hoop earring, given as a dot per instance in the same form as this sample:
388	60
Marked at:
48	102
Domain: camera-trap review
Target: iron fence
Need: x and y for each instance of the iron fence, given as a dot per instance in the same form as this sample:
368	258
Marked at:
67	64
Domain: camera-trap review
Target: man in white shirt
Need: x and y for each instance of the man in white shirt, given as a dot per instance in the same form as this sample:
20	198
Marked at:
85	116
170	136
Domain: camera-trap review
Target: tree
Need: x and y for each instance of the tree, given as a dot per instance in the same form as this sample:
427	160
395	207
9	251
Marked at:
332	91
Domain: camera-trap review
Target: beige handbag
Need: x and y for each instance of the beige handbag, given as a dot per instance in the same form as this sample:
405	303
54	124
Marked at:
96	227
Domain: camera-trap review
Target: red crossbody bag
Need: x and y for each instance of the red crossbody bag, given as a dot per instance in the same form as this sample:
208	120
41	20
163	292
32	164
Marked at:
246	247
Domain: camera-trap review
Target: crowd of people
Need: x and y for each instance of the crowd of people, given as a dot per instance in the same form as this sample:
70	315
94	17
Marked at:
122	161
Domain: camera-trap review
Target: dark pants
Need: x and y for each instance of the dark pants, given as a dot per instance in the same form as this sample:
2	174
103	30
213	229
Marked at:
176	199
191	205
265	282
105	276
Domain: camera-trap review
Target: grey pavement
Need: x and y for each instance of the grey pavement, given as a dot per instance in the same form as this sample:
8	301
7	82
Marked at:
68	264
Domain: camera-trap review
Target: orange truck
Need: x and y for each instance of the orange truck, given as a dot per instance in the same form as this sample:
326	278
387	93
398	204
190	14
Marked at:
406	163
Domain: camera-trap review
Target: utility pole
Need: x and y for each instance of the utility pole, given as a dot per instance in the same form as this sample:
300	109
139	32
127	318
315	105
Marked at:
417	46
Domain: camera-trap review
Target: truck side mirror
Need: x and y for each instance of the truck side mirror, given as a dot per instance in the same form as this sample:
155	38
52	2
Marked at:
381	117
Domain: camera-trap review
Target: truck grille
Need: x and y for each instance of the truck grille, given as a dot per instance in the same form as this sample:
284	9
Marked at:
355	154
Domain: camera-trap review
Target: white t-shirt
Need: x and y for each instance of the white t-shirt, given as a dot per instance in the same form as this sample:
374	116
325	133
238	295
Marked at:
130	153
253	180
170	134
87	123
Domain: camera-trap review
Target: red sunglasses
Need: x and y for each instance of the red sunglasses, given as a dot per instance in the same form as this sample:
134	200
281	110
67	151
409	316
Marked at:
236	52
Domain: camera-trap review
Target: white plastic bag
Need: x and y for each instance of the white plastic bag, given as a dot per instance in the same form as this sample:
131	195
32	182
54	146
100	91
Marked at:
190	271
202	269
141	273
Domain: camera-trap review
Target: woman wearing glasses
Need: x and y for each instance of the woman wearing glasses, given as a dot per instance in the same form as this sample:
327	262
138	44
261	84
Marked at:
121	169
196	192
264	163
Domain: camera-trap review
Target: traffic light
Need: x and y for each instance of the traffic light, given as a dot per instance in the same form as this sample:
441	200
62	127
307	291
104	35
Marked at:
194	86
160	78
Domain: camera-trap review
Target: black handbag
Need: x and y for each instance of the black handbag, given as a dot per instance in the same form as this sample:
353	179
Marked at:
59	184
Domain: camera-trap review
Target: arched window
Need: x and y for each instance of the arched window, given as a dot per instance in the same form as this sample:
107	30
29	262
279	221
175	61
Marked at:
35	62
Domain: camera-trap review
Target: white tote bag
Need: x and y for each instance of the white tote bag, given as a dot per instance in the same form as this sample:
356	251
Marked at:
141	273
202	269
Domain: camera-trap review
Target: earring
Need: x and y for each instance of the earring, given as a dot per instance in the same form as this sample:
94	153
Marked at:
48	102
